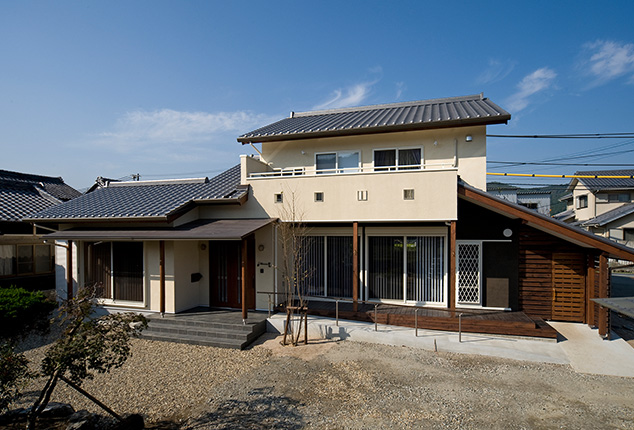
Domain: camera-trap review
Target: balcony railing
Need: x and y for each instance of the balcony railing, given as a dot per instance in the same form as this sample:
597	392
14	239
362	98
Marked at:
312	171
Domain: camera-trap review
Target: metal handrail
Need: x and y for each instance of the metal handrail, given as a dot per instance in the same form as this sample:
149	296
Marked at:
376	304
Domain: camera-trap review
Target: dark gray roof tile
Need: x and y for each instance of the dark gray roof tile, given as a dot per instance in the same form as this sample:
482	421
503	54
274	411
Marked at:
597	184
447	112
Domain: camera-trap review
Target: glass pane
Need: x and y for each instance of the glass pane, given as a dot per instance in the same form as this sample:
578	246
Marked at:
409	157
311	266
348	162
326	162
7	260
98	260
384	158
385	280
127	258
624	197
43	259
340	258
425	269
25	259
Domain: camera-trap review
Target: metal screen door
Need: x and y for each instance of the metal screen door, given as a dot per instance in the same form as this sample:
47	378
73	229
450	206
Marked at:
468	269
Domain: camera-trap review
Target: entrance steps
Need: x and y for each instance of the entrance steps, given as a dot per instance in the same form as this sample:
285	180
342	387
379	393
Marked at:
219	328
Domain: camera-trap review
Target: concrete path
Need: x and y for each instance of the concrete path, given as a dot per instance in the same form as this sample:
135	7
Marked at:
589	353
581	341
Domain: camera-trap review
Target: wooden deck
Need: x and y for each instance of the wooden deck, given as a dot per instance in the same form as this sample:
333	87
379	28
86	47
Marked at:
473	320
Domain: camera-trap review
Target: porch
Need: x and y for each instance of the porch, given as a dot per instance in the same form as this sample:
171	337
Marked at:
510	323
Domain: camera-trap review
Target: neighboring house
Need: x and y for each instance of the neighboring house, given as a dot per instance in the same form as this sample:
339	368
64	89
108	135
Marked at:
25	260
393	197
538	201
602	203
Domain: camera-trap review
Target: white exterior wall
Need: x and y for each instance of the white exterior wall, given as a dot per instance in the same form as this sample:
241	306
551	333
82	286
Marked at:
584	213
187	261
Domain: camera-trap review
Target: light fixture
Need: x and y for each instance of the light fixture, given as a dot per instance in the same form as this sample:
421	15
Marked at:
260	247
468	138
507	232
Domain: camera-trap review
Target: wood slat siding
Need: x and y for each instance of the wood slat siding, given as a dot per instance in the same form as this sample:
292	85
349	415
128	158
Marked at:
600	318
569	287
537	278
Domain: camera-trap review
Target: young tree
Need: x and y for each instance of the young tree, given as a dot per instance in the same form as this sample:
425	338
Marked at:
294	242
88	344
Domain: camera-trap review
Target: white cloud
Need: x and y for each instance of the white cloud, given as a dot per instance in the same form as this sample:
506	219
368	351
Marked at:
538	81
607	60
400	87
140	128
351	96
496	71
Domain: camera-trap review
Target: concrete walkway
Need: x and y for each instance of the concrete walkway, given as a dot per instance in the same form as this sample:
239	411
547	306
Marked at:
582	348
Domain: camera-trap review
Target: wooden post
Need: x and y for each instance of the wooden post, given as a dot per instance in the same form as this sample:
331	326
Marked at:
452	266
69	270
243	269
162	276
355	266
603	293
590	279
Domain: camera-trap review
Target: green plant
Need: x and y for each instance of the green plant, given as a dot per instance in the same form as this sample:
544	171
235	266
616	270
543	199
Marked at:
14	373
22	311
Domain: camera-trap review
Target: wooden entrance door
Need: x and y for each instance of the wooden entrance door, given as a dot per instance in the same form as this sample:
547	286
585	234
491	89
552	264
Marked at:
226	273
569	286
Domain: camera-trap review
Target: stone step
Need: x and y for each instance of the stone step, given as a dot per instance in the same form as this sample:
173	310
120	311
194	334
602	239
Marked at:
204	331
191	322
198	340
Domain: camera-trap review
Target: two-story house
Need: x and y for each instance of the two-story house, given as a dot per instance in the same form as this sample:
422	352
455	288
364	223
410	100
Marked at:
393	198
601	202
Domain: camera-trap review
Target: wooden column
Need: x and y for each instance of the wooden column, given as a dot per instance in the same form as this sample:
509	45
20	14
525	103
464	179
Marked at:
69	270
452	265
603	293
243	268
590	279
355	266
162	276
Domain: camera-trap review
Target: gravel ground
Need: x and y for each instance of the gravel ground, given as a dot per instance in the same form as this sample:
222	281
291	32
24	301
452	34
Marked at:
350	385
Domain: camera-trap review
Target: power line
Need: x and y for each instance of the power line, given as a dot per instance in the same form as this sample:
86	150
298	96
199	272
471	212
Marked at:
535	175
521	163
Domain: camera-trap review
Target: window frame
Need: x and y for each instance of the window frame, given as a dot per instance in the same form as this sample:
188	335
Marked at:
581	202
15	264
337	169
397	166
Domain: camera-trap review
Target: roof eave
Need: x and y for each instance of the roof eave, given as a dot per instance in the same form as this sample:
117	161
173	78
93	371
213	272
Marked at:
501	119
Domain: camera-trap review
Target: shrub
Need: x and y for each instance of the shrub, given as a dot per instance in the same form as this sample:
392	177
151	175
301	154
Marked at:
22	311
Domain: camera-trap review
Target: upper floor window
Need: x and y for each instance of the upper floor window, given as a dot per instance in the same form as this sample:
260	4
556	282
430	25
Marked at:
397	159
582	202
619	198
337	162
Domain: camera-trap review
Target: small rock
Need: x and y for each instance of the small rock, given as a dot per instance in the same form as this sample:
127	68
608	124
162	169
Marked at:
56	410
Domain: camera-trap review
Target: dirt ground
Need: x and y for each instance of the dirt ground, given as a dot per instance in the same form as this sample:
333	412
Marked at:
349	385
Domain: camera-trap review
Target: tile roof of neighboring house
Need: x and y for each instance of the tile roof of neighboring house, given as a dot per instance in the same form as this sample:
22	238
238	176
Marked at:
23	194
609	216
565	215
532	192
149	199
596	184
417	115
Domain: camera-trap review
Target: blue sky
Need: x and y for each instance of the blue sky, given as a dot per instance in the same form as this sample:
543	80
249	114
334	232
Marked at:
163	88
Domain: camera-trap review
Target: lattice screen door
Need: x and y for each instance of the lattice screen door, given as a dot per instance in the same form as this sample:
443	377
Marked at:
468	269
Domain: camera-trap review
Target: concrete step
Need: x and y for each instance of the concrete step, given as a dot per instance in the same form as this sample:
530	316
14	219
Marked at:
201	323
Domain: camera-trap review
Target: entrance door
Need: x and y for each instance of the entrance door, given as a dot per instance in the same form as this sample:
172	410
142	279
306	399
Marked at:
569	286
226	273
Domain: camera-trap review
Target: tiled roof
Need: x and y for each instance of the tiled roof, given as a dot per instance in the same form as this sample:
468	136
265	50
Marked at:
609	216
147	199
436	113
607	183
565	215
22	194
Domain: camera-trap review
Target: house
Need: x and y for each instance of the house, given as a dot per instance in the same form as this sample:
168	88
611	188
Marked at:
537	200
394	200
601	202
25	260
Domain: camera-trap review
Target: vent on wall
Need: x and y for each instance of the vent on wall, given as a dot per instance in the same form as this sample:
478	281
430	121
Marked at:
278	198
362	195
319	196
408	194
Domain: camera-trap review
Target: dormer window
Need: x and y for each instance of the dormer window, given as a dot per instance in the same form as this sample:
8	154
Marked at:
397	159
337	162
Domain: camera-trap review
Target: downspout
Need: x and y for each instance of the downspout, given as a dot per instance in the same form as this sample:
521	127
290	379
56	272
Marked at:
69	270
162	277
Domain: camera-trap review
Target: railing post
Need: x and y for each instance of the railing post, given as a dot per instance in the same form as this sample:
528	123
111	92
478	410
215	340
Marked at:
375	320
337	313
416	320
460	327
269	294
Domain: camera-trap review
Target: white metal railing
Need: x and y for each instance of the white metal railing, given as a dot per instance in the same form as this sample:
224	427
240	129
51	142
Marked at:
312	171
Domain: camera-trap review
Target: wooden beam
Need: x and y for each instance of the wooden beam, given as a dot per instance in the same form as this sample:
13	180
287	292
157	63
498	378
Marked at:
590	275
355	265
603	293
69	270
452	265
243	268
162	276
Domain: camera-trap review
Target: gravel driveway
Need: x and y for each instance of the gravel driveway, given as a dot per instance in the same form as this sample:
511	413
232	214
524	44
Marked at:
345	384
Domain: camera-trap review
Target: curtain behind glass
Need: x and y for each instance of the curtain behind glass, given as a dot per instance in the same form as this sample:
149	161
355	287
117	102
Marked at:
409	157
311	266
384	158
385	279
7	260
340	258
128	270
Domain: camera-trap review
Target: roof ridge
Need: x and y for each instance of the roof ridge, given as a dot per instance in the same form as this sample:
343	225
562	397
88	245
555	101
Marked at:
28	176
387	105
159	182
